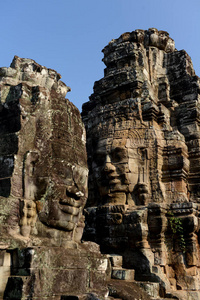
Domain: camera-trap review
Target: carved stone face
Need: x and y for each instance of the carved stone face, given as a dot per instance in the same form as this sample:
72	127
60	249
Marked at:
54	175
46	163
118	167
59	176
66	197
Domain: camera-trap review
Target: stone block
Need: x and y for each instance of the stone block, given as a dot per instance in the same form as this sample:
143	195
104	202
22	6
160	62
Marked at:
116	260
97	282
160	257
103	265
69	281
152	288
173	283
123	274
188	282
191	258
170	272
192	271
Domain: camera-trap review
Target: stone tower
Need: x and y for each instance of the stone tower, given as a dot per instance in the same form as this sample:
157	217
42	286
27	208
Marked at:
143	144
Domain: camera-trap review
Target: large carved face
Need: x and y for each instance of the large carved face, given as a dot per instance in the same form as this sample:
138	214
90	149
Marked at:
118	166
54	173
60	172
46	164
66	195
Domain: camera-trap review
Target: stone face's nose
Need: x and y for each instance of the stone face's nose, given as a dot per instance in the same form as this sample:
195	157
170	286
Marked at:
108	167
73	192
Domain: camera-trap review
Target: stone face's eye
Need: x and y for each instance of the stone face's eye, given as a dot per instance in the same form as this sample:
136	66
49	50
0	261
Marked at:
117	155
100	158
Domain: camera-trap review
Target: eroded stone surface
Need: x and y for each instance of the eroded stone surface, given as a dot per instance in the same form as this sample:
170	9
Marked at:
49	272
143	154
43	158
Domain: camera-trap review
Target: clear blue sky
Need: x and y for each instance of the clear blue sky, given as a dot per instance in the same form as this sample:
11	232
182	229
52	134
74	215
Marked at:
68	36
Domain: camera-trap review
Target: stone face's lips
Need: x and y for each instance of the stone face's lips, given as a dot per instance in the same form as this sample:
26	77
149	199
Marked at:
69	209
71	202
114	180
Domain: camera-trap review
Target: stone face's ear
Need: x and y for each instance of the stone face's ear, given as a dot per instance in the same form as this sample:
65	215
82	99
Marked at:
28	218
29	176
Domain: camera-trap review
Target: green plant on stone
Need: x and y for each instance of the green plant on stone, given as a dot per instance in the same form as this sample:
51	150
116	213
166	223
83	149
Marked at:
176	227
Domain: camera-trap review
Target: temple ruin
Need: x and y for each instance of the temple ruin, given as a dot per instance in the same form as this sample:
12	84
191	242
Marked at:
102	205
